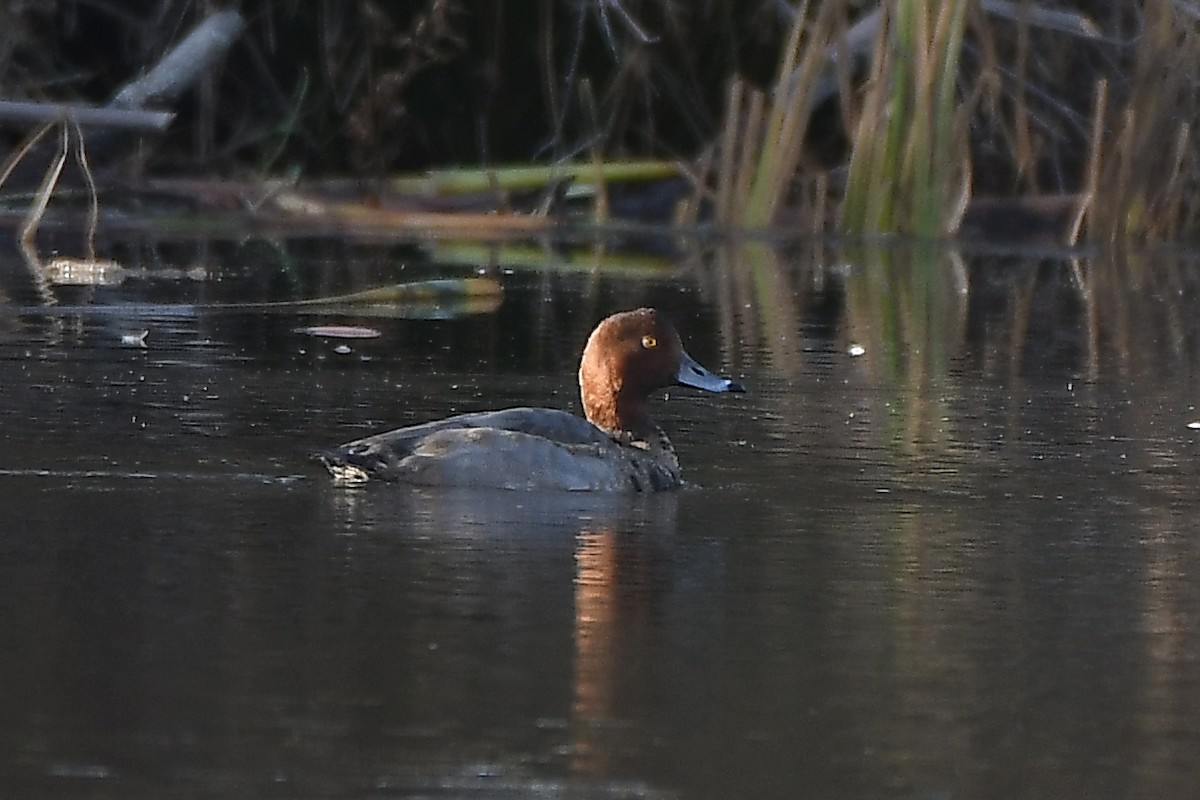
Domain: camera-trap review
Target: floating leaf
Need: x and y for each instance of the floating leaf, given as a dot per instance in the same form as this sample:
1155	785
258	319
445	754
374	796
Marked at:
436	290
340	332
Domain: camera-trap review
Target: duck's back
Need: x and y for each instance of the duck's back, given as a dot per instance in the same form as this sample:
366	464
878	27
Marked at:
518	448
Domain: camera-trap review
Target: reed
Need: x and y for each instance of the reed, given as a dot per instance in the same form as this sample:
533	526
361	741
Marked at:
1143	161
377	88
908	169
762	141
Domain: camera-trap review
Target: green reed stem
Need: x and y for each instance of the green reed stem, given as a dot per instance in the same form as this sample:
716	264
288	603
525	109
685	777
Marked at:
903	181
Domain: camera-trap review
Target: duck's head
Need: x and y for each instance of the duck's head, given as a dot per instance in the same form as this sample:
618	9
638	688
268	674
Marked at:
630	355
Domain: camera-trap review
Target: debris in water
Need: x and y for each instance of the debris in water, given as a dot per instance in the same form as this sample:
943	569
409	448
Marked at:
856	350
342	349
340	332
135	339
68	271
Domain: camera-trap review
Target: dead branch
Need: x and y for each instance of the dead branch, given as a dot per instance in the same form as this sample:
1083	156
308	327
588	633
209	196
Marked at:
183	65
22	112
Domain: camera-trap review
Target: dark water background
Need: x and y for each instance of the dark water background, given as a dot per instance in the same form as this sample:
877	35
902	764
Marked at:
962	564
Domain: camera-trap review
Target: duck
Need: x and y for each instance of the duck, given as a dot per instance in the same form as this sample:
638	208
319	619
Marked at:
615	447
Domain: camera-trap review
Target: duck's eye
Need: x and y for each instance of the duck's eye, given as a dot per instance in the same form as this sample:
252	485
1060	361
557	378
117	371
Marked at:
649	342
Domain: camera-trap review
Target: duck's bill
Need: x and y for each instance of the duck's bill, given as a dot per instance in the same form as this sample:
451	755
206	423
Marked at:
690	373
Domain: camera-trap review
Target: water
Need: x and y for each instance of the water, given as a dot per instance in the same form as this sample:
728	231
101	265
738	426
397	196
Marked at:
963	565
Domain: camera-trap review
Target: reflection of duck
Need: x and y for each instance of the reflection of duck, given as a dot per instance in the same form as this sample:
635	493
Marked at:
617	448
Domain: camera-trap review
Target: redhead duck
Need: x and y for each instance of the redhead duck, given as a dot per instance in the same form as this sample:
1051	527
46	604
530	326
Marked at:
617	448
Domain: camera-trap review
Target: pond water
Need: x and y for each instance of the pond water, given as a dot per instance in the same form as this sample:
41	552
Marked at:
945	546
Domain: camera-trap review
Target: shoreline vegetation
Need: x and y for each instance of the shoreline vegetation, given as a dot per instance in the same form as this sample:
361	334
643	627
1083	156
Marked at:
1068	123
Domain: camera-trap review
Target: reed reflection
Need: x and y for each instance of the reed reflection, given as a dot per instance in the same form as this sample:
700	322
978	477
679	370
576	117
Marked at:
1002	477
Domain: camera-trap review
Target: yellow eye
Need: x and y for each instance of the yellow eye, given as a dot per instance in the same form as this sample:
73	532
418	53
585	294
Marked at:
649	342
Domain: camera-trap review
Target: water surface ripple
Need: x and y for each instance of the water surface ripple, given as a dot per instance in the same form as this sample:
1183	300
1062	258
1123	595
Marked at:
899	572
